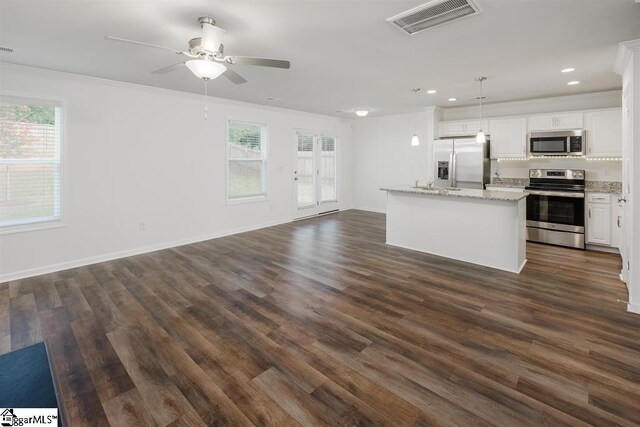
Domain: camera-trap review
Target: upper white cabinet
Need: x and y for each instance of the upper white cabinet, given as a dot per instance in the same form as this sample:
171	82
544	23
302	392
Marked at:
463	127
508	138
559	121
604	133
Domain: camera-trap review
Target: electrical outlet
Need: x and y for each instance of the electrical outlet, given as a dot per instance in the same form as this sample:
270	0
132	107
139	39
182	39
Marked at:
143	226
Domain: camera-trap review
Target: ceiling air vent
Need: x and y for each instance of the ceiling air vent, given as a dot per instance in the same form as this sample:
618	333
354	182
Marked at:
433	14
6	49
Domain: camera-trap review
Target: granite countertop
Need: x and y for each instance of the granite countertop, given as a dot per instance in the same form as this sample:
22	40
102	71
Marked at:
466	193
502	185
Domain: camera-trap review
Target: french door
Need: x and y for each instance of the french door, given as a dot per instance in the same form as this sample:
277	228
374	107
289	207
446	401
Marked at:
314	173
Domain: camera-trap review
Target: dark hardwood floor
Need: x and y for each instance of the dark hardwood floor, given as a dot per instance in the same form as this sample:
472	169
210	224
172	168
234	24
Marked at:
318	322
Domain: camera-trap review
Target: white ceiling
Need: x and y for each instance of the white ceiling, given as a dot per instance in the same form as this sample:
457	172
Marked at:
344	55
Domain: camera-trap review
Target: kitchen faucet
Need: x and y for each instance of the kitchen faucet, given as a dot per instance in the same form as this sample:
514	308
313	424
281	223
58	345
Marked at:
433	181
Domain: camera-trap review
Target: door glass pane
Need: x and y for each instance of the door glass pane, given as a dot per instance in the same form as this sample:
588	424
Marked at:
328	169
306	192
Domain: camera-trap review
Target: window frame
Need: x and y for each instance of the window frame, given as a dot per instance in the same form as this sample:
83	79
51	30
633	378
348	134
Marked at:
264	160
61	106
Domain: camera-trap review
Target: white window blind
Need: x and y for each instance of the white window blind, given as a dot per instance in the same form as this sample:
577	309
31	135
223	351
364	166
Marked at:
247	160
30	153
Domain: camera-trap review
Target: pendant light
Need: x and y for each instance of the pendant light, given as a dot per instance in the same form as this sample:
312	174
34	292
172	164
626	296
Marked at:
415	141
480	137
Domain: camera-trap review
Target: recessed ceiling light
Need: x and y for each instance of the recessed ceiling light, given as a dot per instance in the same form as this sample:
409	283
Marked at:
431	91
567	70
453	99
573	82
362	113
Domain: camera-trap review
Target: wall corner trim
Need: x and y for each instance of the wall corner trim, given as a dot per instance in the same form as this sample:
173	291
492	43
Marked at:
625	49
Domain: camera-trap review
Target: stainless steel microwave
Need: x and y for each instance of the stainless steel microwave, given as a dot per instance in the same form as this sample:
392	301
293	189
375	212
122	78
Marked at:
561	143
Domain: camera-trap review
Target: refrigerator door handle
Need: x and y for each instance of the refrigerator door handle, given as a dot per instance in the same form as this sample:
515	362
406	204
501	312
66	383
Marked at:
453	174
452	167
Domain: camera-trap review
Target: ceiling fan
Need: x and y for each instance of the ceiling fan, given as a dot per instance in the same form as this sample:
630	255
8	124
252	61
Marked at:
207	59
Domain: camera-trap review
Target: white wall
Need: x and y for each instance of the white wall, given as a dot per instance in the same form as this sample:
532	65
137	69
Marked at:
628	64
139	154
383	155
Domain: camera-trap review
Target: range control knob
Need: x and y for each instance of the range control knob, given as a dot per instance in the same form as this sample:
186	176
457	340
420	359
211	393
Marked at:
576	174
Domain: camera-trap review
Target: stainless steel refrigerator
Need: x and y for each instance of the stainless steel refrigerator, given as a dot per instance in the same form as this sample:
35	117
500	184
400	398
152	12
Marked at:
461	162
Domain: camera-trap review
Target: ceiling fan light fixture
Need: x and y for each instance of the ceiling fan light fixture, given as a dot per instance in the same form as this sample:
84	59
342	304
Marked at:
205	69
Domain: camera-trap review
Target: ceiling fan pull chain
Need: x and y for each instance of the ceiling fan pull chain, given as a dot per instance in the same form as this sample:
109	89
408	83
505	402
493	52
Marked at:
206	104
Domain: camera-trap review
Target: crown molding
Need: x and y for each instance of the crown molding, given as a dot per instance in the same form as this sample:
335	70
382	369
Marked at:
625	50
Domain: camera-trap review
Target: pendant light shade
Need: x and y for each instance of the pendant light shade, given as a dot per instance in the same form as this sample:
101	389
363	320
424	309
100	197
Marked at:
415	141
480	137
205	69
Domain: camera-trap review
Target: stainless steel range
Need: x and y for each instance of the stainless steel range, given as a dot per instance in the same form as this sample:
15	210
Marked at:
555	207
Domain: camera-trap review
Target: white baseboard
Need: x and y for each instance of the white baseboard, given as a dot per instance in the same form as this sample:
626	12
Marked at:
633	308
376	210
522	266
52	268
609	249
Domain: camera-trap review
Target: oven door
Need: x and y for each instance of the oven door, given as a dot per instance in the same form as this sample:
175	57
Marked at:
556	210
548	145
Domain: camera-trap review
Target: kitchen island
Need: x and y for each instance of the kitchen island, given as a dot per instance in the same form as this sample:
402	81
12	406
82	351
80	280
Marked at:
477	226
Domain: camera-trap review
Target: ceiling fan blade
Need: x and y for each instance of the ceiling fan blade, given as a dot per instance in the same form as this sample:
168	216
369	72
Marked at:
234	77
119	39
261	62
168	68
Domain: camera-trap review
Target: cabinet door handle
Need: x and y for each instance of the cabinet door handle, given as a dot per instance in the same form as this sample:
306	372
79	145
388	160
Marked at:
619	218
589	213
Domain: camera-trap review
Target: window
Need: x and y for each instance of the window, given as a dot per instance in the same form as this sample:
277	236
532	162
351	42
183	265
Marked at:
328	169
30	153
247	160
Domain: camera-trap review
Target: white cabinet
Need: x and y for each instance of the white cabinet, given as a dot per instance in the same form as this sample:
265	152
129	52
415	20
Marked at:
558	121
508	138
599	218
604	133
463	127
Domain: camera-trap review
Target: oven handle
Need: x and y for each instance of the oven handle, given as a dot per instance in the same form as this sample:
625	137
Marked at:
555	193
